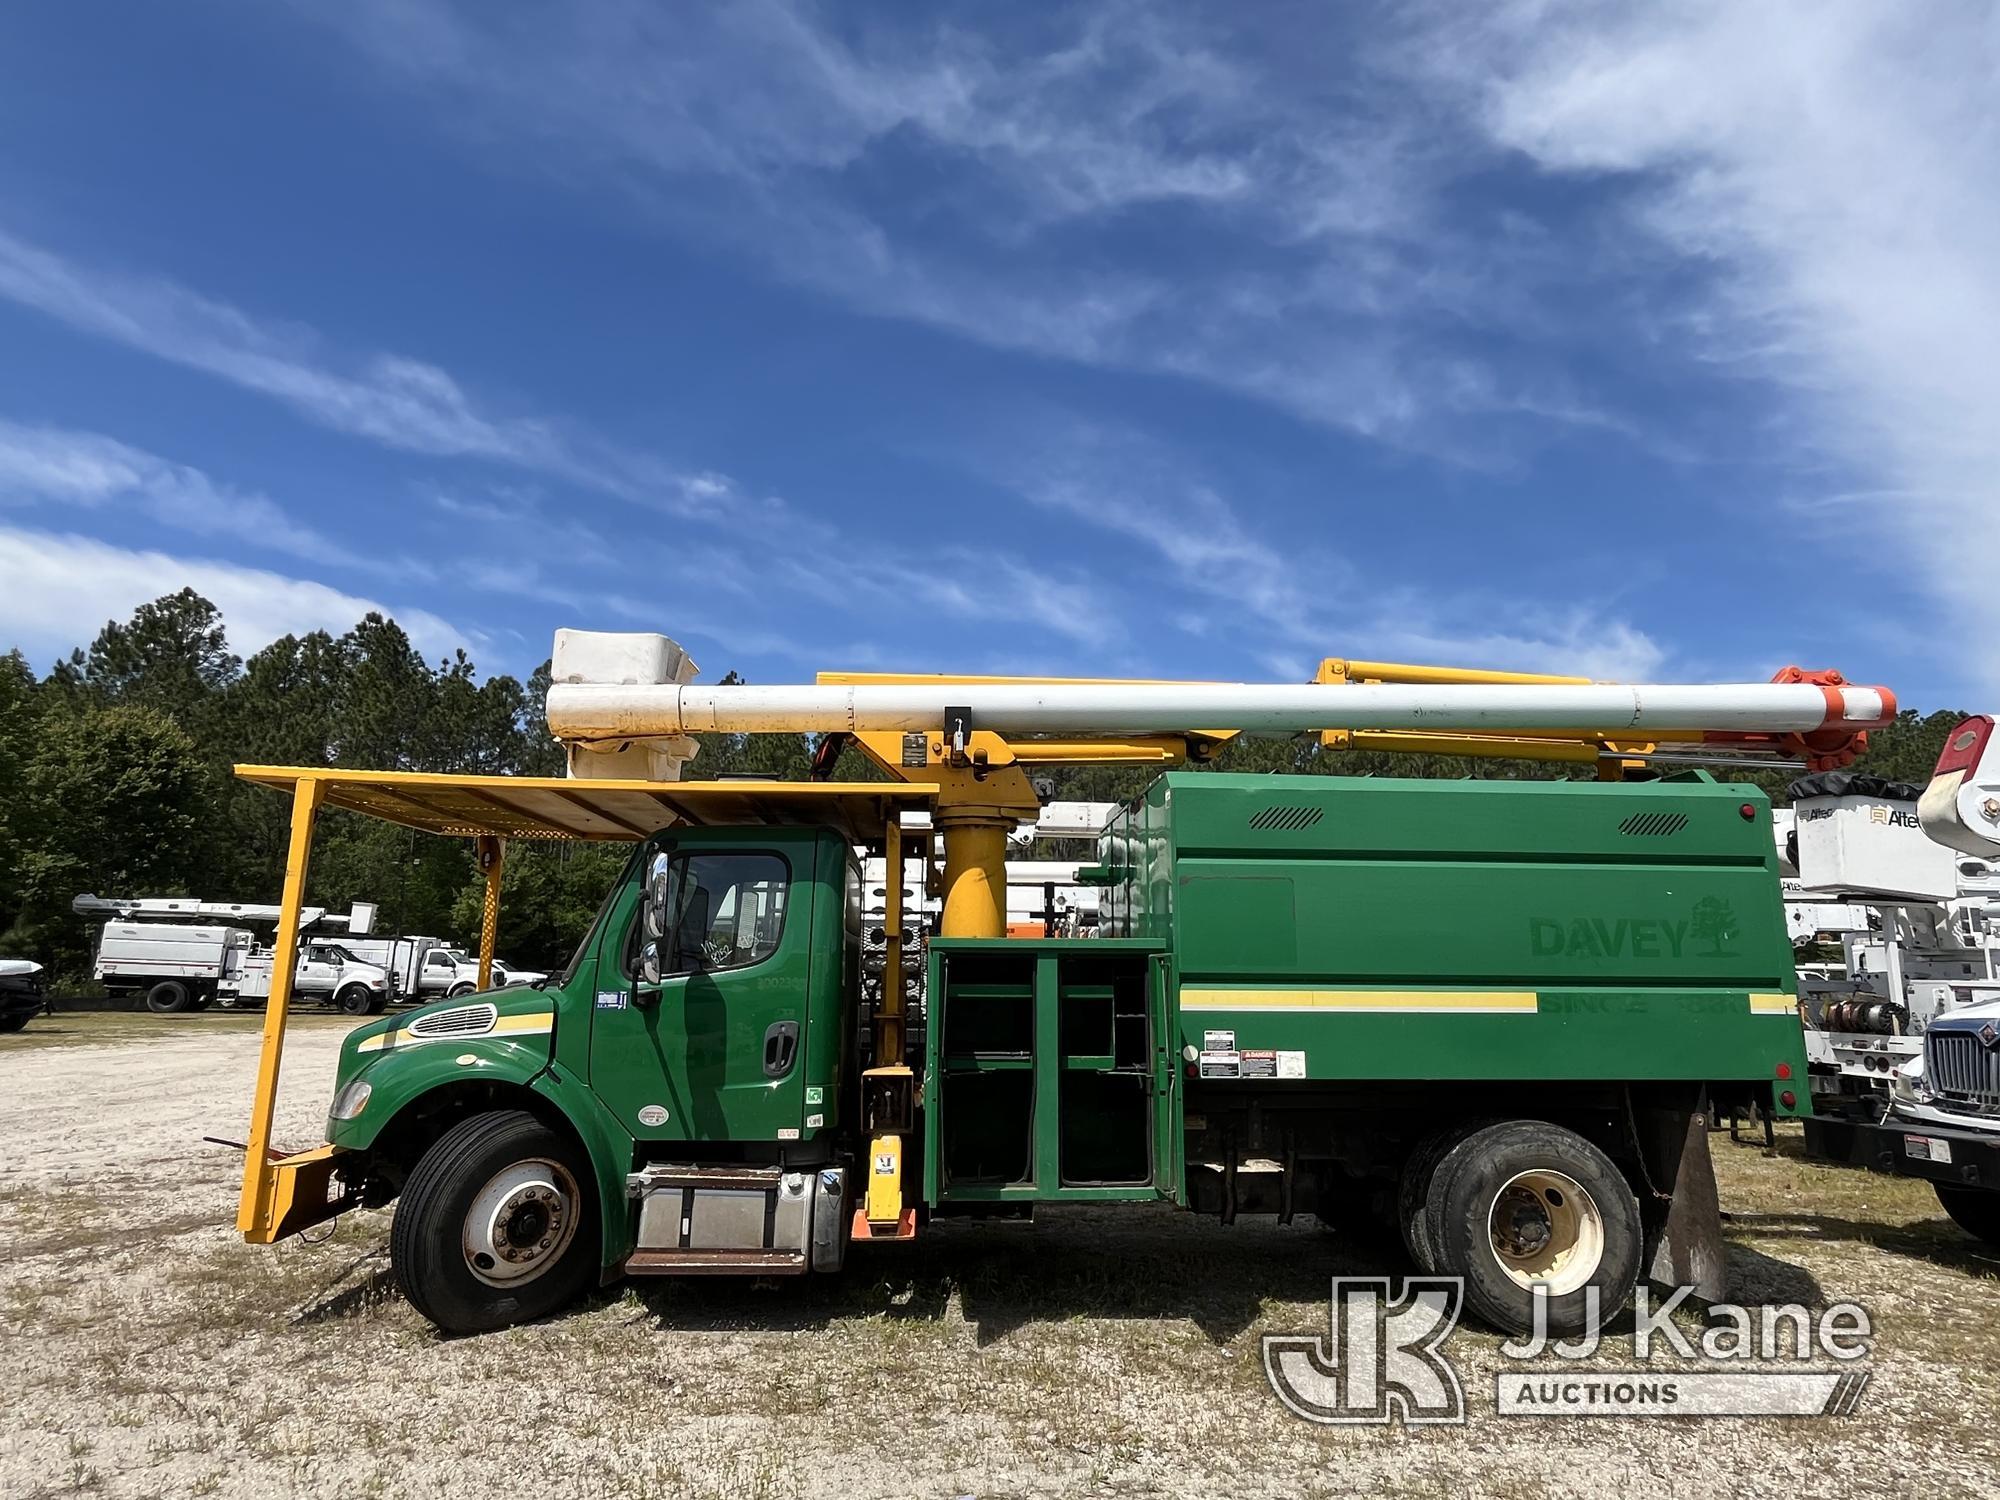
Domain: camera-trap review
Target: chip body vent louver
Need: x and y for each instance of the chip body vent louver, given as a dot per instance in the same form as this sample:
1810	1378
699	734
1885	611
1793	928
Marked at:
1653	824
1286	819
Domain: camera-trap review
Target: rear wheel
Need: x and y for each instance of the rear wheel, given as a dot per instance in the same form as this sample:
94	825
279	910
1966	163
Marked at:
355	1000
497	1225
1525	1203
168	997
1975	1210
1414	1186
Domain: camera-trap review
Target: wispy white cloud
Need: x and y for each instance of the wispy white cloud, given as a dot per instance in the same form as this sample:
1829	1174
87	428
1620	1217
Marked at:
1286	599
392	399
42	465
61	588
1829	169
1313	265
1796	195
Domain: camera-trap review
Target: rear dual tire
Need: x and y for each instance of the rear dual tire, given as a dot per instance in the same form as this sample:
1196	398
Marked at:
169	998
1506	1206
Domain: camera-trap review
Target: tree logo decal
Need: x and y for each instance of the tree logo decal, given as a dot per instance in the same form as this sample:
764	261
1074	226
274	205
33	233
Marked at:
1714	923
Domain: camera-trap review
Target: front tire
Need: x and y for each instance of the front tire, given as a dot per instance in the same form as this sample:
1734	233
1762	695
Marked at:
1975	1210
460	990
354	1000
16	1021
168	998
497	1225
1525	1202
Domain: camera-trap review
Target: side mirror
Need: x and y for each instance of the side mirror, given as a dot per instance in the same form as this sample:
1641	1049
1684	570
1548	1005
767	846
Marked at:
650	970
659	898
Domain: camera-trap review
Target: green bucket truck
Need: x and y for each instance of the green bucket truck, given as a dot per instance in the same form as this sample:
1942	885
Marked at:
1489	1011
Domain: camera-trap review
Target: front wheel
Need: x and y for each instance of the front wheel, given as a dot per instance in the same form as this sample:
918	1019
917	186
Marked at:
1975	1210
497	1225
1527	1203
354	1000
16	1021
462	988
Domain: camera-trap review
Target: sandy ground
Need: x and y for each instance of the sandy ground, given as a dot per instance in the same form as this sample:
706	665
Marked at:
145	1351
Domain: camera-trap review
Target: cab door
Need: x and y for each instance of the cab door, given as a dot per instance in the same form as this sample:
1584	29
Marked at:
315	974
714	1049
437	973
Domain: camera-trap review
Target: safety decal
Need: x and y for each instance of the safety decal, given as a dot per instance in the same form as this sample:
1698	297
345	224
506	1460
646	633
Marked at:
653	1116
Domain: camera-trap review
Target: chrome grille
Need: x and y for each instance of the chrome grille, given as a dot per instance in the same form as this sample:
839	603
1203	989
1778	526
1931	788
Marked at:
461	1020
1958	1064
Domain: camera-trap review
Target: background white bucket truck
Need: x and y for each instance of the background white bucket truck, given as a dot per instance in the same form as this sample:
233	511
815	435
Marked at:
1941	1117
182	953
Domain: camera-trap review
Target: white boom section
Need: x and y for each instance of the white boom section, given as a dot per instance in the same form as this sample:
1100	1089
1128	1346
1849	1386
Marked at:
359	920
600	711
1961	806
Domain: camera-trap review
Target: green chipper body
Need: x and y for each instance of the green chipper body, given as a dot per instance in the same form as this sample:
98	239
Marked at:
1311	971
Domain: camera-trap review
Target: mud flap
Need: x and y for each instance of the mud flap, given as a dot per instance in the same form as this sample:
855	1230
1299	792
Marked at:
1687	1247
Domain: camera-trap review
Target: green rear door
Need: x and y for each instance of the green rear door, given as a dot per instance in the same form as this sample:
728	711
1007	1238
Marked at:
716	1051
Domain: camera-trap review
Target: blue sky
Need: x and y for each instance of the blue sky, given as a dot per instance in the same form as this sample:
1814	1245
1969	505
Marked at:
1658	343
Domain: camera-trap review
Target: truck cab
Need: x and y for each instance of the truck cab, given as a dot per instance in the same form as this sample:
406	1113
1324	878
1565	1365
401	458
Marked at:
677	1088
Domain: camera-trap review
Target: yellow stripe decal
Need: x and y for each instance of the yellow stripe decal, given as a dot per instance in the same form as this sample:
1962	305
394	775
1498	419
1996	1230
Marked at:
1381	1002
539	1024
1773	1005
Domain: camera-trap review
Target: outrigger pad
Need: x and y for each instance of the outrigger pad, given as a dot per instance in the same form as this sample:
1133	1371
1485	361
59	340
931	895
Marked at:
1690	1251
302	1195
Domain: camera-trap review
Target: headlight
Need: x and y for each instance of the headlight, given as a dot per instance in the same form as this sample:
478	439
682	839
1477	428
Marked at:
1907	1083
351	1100
376	984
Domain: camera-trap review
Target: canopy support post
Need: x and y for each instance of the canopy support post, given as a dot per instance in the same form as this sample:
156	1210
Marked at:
256	1211
492	854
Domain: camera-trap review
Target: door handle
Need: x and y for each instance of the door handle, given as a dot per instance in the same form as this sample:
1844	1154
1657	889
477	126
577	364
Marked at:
781	1045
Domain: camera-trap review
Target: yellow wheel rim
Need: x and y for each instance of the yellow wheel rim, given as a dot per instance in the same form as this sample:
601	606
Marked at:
1544	1228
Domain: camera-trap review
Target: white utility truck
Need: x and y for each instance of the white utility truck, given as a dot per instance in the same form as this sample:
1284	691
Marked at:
1905	914
174	951
428	968
1941	1117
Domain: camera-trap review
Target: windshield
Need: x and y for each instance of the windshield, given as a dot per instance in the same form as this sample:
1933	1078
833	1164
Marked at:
643	852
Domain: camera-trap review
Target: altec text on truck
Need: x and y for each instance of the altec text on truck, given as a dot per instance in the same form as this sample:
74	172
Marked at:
1269	1025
